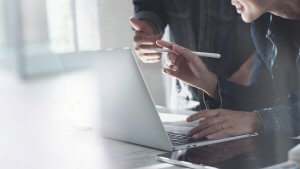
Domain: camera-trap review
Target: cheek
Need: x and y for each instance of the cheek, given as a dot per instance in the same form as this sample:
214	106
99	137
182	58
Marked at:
252	12
258	7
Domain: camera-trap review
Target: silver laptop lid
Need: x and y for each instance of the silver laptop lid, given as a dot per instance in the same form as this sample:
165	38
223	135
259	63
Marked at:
127	109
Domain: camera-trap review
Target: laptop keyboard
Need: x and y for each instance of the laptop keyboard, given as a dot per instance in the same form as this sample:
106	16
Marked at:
181	139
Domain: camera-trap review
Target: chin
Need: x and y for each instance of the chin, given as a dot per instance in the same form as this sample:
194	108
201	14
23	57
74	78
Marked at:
248	19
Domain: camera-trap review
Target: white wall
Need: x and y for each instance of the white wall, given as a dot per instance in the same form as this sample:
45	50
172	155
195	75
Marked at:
116	32
87	29
2	24
34	20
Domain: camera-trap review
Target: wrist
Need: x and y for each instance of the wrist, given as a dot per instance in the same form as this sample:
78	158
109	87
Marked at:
257	123
209	84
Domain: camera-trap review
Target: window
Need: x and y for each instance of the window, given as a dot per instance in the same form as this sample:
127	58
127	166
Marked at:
41	31
73	25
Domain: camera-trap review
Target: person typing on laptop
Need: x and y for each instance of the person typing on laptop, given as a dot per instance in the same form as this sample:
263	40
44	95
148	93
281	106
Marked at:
271	103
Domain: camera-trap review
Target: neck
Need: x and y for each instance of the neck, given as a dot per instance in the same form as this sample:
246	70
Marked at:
289	9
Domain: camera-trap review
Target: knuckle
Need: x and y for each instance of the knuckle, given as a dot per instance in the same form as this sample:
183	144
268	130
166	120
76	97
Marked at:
136	39
140	54
150	56
204	123
135	44
192	117
199	128
137	48
193	131
215	128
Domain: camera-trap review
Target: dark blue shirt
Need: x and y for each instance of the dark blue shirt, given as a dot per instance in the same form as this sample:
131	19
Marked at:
274	88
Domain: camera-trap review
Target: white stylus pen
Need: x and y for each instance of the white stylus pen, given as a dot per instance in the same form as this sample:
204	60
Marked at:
203	54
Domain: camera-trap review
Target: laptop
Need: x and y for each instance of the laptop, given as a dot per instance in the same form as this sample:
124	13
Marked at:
127	110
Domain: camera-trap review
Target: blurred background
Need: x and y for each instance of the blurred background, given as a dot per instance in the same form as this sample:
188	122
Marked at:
46	95
34	33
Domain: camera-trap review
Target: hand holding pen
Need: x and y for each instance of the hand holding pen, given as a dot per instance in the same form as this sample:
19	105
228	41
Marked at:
188	67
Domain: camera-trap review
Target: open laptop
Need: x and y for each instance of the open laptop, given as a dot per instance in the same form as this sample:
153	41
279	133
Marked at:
127	109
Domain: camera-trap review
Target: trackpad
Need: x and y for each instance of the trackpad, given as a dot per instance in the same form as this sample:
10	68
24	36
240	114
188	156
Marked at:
176	123
177	129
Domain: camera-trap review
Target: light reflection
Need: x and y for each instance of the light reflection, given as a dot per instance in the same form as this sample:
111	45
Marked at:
61	25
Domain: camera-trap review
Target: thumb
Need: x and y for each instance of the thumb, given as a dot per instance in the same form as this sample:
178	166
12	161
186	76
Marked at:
139	25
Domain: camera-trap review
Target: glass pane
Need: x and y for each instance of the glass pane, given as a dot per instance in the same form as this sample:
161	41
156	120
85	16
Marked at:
34	26
2	25
61	26
87	22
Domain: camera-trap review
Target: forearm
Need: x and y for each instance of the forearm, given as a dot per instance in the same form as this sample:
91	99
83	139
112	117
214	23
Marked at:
242	75
274	118
258	94
209	85
237	97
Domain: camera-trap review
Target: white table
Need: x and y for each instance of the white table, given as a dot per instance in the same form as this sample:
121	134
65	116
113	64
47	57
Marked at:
133	156
45	124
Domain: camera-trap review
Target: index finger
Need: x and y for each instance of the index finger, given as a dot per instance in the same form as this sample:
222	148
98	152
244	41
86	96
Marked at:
189	55
202	114
165	44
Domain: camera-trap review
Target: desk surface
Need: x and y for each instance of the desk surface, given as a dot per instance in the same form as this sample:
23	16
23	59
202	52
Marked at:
125	155
250	153
44	124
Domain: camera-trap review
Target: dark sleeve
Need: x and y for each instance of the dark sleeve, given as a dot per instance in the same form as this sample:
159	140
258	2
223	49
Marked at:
281	119
275	118
259	97
152	10
258	94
